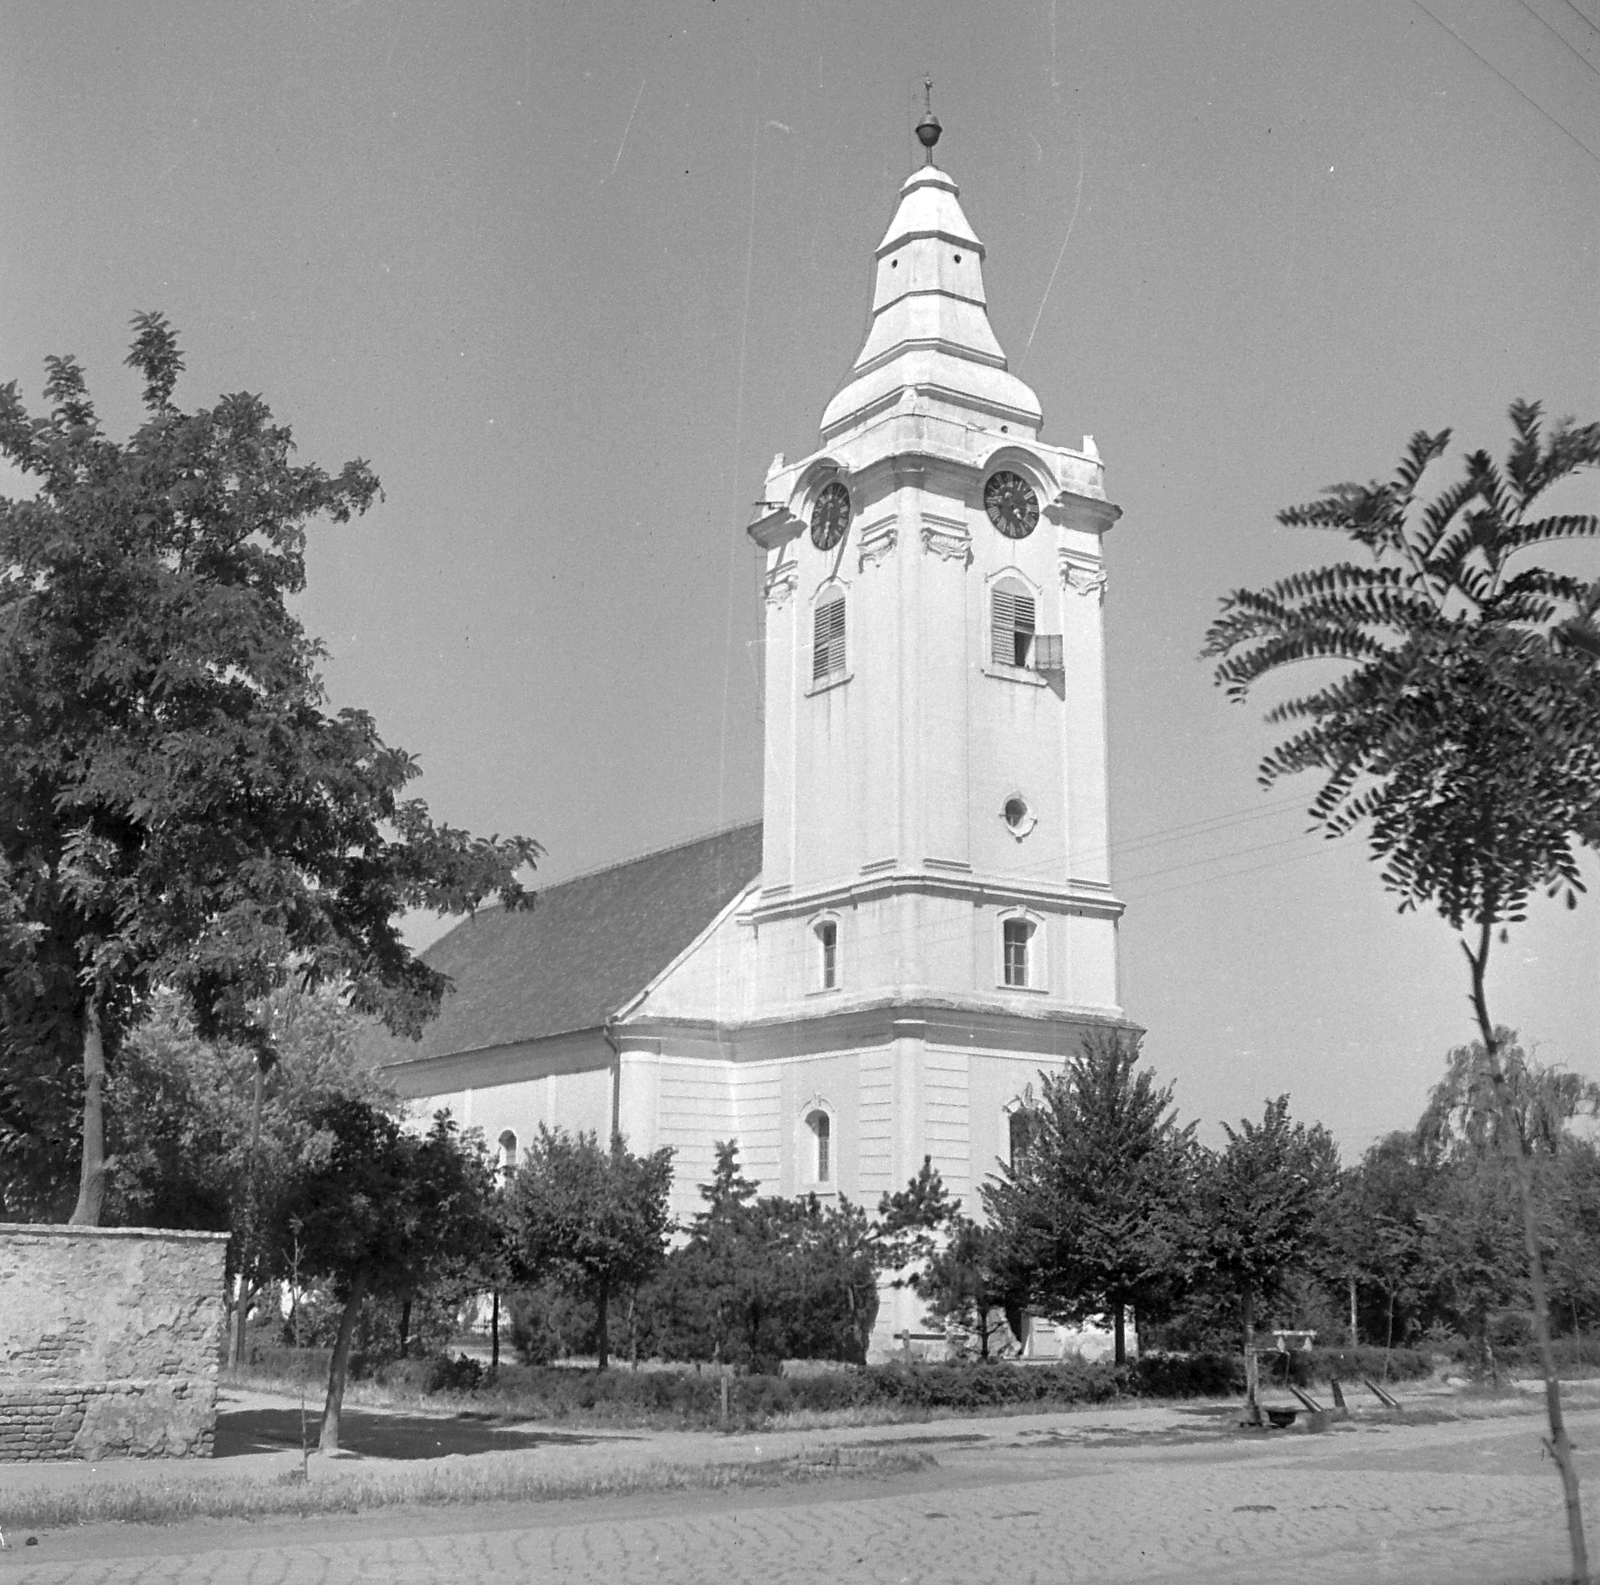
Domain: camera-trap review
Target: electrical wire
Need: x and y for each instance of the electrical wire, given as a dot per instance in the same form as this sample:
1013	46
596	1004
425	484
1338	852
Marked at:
1508	82
1560	38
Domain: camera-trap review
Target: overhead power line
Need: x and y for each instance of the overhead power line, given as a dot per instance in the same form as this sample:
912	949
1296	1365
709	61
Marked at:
1564	131
1560	38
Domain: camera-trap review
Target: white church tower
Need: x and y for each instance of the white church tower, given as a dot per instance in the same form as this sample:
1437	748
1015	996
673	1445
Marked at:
935	834
923	920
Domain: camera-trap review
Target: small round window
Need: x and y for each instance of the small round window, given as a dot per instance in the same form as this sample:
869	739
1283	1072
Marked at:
1019	818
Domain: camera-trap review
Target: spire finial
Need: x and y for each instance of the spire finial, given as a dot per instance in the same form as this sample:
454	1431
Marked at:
928	128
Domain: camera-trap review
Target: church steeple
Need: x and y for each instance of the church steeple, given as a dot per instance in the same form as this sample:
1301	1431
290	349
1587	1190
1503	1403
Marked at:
930	341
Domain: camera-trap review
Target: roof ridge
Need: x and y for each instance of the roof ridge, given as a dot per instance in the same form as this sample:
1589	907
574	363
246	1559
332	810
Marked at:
653	853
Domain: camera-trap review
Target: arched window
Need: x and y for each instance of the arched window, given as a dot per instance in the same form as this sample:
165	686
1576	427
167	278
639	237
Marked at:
821	1127
827	932
1011	624
827	647
1019	1135
508	1152
1016	948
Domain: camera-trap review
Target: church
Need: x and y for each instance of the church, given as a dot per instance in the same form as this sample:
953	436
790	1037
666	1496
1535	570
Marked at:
923	917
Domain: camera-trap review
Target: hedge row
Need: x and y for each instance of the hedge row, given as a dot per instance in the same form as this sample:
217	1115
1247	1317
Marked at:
685	1396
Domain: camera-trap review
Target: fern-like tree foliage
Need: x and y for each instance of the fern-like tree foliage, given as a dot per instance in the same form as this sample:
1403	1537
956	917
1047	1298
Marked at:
1462	728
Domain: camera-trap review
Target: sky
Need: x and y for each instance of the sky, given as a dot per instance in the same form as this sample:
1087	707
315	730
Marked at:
568	275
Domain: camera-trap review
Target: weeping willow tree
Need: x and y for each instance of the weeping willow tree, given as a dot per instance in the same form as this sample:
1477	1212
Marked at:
1462	730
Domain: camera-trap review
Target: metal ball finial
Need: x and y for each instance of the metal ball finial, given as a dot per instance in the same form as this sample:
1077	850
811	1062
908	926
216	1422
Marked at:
928	128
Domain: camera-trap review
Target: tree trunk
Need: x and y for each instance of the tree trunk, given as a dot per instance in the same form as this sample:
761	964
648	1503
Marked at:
602	1308
241	1315
494	1331
405	1325
94	1167
246	1293
983	1334
1355	1333
340	1363
1560	1446
1252	1406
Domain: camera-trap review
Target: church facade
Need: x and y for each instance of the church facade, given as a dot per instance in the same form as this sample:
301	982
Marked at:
923	918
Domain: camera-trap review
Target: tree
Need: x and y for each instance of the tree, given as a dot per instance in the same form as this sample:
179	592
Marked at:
381	1211
594	1219
1260	1204
194	1148
1379	1229
177	808
1089	1206
968	1279
764	1278
1464	727
1464	1115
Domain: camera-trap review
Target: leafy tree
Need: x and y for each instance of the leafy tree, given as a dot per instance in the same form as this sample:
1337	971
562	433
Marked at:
765	1278
1259	1212
1464	726
967	1280
1465	1114
1573	1187
596	1220
382	1211
193	1147
1090	1207
1380	1229
1472	1239
177	808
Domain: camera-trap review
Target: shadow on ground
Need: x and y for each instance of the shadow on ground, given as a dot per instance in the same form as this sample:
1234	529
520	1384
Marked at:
381	1435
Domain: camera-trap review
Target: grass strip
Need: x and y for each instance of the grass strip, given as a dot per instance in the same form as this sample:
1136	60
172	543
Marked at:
359	1489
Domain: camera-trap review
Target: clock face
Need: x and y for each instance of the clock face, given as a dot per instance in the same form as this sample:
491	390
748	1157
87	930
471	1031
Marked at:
1012	506
830	517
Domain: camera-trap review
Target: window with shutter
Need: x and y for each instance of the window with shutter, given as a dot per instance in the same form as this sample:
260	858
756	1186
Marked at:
827	651
828	947
1012	627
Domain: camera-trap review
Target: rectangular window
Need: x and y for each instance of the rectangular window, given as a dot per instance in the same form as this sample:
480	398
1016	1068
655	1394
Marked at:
1012	628
828	940
1016	935
827	652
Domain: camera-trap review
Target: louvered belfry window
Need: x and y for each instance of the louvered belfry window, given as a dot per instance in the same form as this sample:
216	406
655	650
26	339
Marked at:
1012	627
827	651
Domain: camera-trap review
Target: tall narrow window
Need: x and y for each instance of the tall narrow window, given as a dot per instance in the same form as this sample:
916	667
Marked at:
1011	626
1016	935
508	1153
828	953
821	1126
827	650
1019	1132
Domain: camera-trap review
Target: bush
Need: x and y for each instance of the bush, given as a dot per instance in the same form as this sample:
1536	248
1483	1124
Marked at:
1355	1364
1210	1375
678	1397
549	1324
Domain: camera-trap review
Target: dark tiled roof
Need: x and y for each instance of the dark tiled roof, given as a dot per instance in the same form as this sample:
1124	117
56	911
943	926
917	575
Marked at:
586	947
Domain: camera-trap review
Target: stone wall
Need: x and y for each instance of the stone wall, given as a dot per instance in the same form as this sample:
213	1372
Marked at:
109	1339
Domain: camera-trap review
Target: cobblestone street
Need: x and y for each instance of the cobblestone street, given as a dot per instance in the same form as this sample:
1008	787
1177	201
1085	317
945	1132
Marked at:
1030	1499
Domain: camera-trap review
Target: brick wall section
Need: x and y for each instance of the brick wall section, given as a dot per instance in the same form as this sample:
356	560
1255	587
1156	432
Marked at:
109	1339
